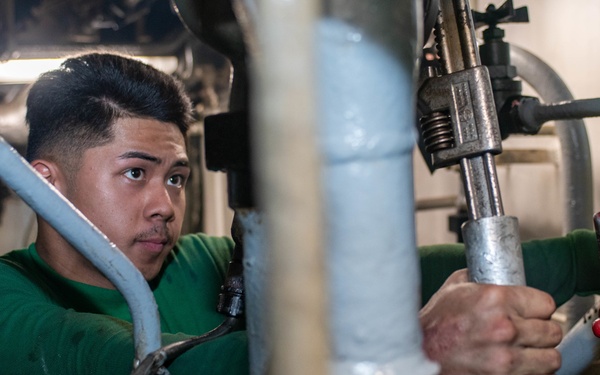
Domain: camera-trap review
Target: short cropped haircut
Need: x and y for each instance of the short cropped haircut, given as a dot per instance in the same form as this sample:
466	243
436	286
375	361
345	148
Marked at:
73	108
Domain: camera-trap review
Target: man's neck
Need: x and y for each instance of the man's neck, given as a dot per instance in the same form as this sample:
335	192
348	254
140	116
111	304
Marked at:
66	260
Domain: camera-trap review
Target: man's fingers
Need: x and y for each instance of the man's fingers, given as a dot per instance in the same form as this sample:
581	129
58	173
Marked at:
537	333
531	303
537	361
506	360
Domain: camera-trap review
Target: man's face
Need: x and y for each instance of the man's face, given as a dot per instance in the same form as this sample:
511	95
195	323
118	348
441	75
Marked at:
132	189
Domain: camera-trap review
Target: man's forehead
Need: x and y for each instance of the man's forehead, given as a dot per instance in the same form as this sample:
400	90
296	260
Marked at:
139	130
146	139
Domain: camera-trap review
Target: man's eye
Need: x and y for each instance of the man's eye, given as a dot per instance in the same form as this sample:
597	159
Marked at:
134	174
176	180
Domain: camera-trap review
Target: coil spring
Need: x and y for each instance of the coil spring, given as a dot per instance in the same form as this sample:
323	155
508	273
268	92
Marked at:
437	133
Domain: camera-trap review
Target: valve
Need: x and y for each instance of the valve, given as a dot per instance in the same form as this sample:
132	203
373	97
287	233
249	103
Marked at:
495	55
506	13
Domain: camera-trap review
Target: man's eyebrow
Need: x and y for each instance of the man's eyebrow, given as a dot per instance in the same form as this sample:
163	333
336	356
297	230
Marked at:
182	163
151	158
140	155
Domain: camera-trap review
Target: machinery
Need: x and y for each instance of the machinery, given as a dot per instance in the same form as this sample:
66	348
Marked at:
467	100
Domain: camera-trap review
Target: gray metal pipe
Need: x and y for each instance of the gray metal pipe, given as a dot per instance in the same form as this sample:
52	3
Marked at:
366	56
578	347
577	177
256	265
47	202
502	261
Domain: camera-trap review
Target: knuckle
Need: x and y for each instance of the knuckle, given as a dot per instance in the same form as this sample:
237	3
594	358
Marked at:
504	361
459	276
504	330
493	295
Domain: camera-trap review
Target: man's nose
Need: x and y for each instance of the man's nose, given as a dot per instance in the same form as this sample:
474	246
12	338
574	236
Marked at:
159	202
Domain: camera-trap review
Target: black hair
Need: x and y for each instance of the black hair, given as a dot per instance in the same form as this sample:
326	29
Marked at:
73	108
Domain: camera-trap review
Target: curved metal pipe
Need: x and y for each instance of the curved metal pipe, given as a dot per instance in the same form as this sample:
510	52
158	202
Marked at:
44	199
577	170
577	179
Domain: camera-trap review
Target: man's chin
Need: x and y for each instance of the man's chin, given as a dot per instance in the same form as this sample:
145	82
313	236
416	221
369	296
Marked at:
149	272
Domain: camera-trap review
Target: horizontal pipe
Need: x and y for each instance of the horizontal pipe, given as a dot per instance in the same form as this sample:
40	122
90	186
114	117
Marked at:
572	109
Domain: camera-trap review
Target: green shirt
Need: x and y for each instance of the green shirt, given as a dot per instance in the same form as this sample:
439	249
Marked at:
52	325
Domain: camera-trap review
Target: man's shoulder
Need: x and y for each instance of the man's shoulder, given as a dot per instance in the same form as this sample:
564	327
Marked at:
206	240
201	244
201	251
16	260
19	271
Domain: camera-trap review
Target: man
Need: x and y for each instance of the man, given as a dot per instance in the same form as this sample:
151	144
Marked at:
109	133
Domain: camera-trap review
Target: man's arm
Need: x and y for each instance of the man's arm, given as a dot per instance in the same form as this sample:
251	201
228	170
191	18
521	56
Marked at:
562	266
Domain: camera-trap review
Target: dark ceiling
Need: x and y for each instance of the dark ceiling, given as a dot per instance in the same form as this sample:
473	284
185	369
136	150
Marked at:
57	28
46	27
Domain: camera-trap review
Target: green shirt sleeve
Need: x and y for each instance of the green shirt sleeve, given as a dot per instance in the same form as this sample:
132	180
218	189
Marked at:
562	266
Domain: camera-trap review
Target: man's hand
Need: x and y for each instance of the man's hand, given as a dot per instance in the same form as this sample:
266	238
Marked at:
480	329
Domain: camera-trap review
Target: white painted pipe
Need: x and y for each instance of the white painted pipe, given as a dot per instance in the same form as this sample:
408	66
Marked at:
366	62
579	347
47	202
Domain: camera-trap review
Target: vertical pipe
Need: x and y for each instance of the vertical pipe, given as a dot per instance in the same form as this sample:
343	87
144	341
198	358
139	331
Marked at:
366	61
287	169
256	265
89	241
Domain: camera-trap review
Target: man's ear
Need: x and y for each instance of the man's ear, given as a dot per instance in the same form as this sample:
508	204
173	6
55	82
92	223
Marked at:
51	172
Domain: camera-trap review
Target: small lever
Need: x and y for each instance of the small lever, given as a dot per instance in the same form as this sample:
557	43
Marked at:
596	323
596	327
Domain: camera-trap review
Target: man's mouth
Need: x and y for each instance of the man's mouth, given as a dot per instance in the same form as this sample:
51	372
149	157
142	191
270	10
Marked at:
153	245
154	240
